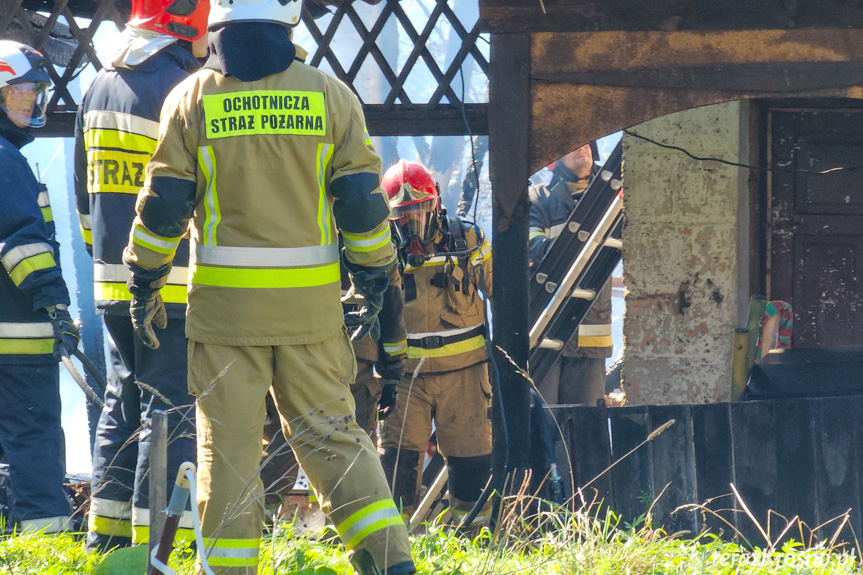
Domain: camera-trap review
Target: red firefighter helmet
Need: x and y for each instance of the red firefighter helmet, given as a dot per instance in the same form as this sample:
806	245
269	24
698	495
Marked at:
414	201
183	19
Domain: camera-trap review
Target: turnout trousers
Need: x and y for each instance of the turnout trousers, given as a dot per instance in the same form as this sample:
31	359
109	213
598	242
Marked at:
35	446
574	380
311	387
367	392
458	403
141	380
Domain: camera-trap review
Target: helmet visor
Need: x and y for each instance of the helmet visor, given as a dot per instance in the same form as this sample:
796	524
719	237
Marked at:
415	221
25	103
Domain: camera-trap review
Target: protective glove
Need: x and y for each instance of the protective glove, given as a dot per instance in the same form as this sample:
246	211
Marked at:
66	336
371	284
387	402
147	308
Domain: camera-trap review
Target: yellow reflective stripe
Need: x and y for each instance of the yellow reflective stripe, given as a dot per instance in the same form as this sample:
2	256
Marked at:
474	343
396	347
482	254
265	278
128	142
325	154
29	265
595	341
367	243
232	552
47	214
26	346
207	161
368	140
141	534
260	112
433	261
109	526
15	255
371	518
535	234
142	237
87	235
117	291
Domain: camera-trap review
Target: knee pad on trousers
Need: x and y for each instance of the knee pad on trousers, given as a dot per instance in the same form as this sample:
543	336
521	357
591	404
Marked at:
406	483
363	564
468	476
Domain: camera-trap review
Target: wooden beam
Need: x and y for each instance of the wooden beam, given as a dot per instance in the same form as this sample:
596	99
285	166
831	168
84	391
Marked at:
523	16
509	118
420	121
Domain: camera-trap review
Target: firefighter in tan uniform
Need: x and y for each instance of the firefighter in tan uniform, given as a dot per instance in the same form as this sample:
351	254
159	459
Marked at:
446	264
261	157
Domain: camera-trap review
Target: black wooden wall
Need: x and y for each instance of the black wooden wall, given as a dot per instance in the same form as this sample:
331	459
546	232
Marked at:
792	458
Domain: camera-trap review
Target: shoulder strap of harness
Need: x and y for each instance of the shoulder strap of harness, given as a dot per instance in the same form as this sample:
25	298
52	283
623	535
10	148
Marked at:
457	241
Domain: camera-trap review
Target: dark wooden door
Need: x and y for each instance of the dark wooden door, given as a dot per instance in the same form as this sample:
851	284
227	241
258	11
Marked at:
816	254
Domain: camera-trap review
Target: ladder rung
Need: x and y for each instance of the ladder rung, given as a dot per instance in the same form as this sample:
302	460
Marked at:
579	293
554	344
613	243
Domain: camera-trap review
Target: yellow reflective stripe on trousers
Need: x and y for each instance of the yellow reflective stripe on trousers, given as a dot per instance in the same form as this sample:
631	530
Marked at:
151	241
109	526
29	265
232	552
265	278
325	154
141	534
207	161
474	343
117	291
369	519
367	243
595	335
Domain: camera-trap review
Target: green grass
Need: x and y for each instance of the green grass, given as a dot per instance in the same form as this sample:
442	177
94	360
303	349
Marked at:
582	543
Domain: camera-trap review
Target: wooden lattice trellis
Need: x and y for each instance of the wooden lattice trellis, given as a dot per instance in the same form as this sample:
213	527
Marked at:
68	47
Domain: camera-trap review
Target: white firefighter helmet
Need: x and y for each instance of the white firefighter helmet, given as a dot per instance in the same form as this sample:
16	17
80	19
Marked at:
23	84
285	12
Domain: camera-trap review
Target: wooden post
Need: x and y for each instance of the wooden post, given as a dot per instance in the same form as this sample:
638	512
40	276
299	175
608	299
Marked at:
738	363
509	120
158	476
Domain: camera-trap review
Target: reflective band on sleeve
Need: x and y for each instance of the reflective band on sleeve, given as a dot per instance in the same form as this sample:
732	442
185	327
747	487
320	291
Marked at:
43	200
29	265
121	122
19	253
368	140
87	235
47	215
113	291
536	233
24	330
102	272
153	242
232	552
396	348
369	519
465	346
554	231
27	346
595	341
261	112
367	243
86	221
594	329
207	161
325	154
482	254
265	278
266	257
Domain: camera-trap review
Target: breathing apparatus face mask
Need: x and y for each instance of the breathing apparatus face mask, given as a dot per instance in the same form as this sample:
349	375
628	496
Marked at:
415	225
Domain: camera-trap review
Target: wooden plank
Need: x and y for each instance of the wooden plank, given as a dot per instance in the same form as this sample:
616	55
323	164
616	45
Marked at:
837	465
158	495
632	475
508	141
754	444
673	462
590	451
560	421
714	467
520	16
795	467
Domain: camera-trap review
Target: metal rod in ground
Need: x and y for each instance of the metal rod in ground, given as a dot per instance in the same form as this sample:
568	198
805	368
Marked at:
158	476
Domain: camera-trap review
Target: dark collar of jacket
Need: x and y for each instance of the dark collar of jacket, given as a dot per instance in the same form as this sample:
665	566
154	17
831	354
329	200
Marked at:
557	188
250	51
18	137
181	56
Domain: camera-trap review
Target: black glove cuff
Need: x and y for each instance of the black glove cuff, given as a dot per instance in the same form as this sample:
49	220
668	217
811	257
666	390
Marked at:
144	282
